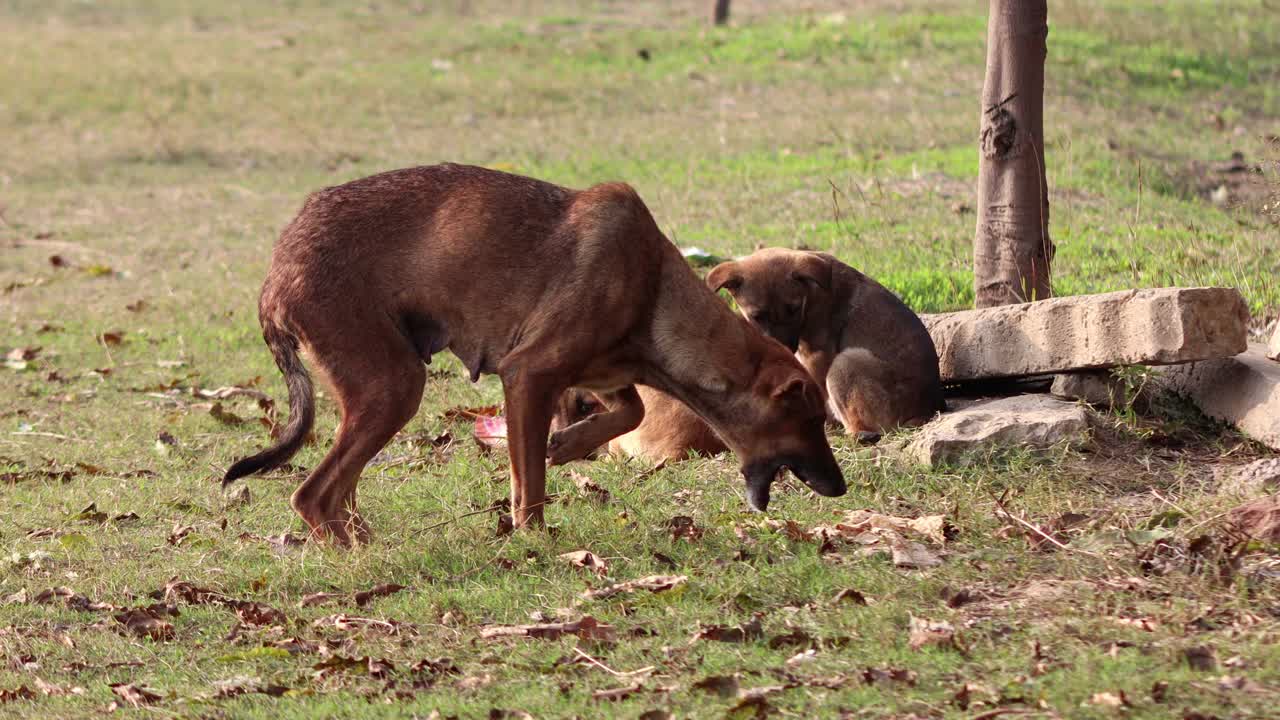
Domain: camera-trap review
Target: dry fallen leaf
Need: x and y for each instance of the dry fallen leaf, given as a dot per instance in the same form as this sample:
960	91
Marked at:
615	694
471	413
652	583
1110	699
683	528
889	675
924	633
148	622
722	685
364	597
256	613
112	337
319	598
1259	519
749	630
589	488
135	695
587	628
587	560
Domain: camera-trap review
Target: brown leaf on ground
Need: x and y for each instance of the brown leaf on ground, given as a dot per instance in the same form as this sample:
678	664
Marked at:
1259	519
112	337
791	529
722	685
16	598
652	583
909	554
971	694
850	595
22	354
1110	699
320	598
682	527
136	306
750	630
1202	658
148	622
655	714
22	692
135	695
589	489
91	514
224	416
925	633
374	667
1241	684
256	613
280	543
180	590
616	694
587	628
351	623
795	638
471	413
73	600
474	682
587	560
364	597
233	687
889	676
1058	528
180	533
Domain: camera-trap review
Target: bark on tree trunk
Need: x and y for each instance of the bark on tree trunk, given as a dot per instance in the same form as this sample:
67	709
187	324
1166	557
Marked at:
1012	250
720	12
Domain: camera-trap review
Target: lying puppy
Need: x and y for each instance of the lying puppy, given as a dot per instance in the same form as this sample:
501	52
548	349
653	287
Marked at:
669	431
858	340
547	287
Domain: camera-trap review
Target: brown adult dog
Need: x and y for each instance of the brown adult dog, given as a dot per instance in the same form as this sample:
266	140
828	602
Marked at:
858	340
669	431
547	287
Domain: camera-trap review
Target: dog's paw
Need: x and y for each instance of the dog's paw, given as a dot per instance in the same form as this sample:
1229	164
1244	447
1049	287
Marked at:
562	448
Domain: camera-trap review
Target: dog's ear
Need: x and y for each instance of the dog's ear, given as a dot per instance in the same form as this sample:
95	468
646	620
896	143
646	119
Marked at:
813	270
799	391
725	276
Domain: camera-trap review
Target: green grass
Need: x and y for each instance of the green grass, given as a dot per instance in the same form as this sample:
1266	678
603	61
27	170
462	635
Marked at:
157	148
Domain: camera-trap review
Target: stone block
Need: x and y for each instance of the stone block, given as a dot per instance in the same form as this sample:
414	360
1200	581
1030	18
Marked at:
1157	326
1243	390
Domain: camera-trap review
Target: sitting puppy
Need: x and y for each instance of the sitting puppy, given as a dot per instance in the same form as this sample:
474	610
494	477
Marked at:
669	431
858	340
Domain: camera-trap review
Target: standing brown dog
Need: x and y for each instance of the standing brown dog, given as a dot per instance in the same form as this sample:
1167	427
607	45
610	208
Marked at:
545	286
669	431
858	340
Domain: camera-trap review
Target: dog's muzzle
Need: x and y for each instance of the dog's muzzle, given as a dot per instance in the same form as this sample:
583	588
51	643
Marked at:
822	475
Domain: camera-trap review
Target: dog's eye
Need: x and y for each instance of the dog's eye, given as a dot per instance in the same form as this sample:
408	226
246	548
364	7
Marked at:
793	310
586	407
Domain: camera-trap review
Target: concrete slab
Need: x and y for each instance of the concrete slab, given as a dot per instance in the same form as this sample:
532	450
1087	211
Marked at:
1156	326
1243	390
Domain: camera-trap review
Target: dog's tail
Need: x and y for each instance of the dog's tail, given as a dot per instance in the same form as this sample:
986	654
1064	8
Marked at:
302	407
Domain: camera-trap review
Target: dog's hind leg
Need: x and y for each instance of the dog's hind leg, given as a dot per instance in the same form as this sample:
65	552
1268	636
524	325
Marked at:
624	412
377	377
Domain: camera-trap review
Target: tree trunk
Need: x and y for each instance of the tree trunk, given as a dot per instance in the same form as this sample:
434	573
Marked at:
1012	250
720	12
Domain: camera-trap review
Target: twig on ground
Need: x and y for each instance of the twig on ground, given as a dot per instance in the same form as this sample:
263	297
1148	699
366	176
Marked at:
642	671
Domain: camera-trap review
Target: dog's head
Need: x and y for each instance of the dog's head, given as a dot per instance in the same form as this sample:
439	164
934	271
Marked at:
777	290
785	428
574	405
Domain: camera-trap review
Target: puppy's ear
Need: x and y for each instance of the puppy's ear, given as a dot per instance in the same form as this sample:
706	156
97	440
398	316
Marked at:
799	392
813	270
725	276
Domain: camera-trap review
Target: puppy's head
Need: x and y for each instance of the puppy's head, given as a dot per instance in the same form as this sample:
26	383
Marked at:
574	405
785	428
776	289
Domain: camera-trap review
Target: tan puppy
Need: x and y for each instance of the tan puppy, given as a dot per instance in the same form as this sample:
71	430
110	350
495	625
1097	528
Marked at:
858	340
669	431
547	287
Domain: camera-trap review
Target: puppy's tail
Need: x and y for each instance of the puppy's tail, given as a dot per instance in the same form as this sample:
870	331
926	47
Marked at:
302	407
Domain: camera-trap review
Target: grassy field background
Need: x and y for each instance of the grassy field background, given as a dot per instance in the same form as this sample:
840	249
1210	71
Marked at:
153	151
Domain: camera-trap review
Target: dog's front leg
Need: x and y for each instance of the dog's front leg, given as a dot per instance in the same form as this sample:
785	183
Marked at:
624	411
530	402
